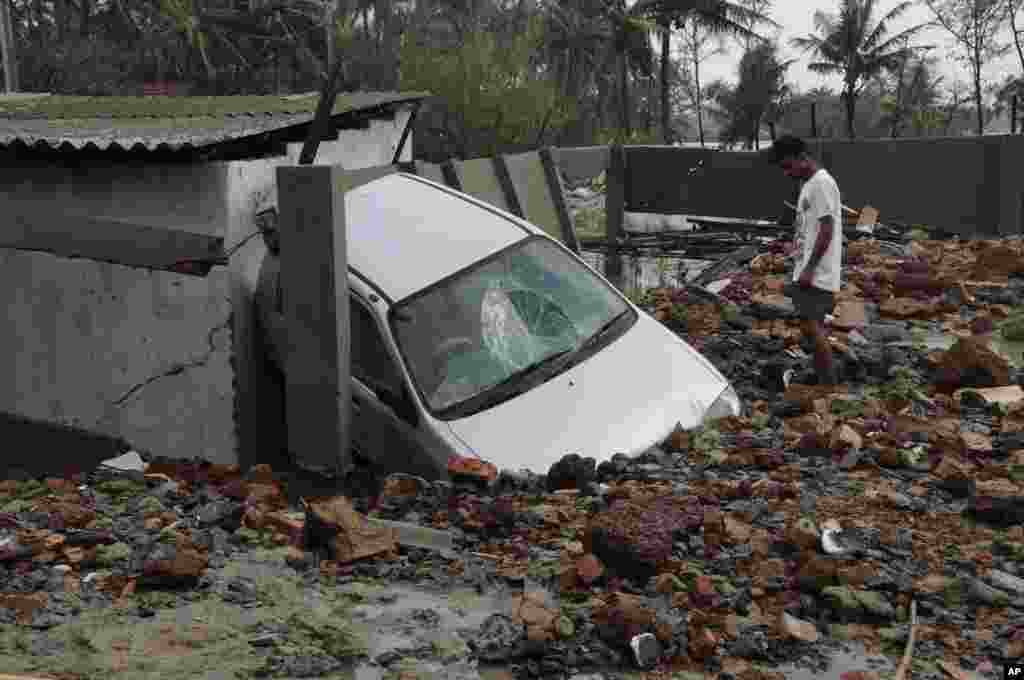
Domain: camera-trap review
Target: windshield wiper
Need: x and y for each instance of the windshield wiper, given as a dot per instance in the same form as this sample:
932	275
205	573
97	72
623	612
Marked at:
500	392
601	332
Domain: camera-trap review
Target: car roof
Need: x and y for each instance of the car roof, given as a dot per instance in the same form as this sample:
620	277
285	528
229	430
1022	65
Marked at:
406	233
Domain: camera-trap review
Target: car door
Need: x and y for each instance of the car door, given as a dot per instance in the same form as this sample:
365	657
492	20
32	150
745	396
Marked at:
387	436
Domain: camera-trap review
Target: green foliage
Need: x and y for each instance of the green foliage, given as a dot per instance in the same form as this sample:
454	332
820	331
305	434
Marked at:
637	138
490	88
590	222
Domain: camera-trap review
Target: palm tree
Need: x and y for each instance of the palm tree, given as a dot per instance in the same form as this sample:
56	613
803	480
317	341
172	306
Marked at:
856	47
577	42
716	16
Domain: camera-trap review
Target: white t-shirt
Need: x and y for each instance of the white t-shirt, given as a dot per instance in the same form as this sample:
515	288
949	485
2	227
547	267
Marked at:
819	197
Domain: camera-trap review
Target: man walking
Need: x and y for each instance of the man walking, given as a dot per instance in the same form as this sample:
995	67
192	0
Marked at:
819	249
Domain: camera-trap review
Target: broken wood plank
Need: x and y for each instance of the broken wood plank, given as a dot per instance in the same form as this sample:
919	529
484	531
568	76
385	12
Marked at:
126	243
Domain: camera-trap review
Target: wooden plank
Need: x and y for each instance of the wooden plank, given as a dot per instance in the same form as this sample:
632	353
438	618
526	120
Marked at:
615	209
531	184
125	243
315	305
431	171
451	175
509	189
557	192
480	180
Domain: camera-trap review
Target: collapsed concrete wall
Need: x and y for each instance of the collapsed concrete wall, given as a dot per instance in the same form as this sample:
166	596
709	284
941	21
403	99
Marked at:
128	352
143	355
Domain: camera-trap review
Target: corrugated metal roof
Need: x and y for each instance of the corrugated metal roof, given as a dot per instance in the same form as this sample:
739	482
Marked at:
165	123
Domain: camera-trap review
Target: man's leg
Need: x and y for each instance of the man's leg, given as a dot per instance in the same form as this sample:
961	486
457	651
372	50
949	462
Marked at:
824	366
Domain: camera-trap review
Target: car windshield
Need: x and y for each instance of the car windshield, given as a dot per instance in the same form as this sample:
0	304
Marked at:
492	326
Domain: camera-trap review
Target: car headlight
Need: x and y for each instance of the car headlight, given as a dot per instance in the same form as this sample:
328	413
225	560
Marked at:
727	404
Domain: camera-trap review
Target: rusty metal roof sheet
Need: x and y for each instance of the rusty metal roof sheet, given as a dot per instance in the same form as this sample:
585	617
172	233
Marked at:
166	123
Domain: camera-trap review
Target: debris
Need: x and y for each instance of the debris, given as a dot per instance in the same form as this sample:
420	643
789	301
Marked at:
970	363
850	315
413	535
472	470
797	629
334	525
908	652
1007	395
128	462
646	650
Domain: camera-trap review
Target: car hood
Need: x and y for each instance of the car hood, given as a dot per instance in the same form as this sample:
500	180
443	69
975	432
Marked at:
625	398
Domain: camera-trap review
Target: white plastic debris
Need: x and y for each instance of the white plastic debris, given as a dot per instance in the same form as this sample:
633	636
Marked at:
717	287
646	650
830	541
129	462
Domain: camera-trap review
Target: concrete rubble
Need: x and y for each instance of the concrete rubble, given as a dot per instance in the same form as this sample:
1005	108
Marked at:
739	550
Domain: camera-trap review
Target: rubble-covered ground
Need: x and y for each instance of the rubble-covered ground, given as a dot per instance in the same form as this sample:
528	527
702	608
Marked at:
756	547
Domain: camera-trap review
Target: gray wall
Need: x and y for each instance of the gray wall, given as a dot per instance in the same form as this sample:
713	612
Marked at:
80	336
963	185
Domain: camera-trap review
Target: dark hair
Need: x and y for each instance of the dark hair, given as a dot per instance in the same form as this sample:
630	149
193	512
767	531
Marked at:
787	147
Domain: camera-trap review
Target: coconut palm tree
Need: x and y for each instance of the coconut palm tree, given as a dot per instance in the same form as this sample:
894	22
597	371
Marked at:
715	16
857	47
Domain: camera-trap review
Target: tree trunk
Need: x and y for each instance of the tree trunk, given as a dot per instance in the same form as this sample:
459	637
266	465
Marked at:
330	30
624	120
8	50
978	102
850	101
1016	36
666	114
814	120
699	93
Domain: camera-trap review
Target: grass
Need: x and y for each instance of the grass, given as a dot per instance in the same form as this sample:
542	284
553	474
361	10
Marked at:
106	644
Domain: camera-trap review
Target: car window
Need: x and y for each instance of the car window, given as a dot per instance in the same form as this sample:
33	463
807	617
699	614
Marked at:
488	324
371	362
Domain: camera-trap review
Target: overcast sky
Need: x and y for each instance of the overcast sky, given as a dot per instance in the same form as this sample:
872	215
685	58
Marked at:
797	19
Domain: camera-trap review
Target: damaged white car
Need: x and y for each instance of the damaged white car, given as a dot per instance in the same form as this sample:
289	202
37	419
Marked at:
476	334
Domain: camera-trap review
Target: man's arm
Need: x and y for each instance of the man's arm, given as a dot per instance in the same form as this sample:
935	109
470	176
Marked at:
826	228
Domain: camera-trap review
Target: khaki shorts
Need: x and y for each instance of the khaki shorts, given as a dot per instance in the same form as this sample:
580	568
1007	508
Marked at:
812	304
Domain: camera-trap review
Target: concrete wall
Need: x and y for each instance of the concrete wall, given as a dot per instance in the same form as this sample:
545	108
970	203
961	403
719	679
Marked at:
964	185
97	345
101	346
252	188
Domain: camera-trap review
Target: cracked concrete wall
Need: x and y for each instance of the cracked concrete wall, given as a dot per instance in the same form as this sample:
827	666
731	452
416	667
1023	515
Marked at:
128	352
147	356
252	187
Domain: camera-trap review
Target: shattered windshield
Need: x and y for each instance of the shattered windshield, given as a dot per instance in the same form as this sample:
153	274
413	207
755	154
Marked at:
492	327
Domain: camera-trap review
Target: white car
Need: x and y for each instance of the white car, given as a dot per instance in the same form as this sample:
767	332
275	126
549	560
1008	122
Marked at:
475	334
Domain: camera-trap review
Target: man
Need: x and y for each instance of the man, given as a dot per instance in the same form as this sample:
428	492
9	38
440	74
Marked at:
819	249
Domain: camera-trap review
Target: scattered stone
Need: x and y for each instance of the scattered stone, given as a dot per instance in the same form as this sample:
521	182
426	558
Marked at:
572	472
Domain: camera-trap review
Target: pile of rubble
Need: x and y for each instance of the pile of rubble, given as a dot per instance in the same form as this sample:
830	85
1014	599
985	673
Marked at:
768	541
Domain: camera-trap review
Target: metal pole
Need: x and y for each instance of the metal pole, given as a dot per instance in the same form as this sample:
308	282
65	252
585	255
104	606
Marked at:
324	108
